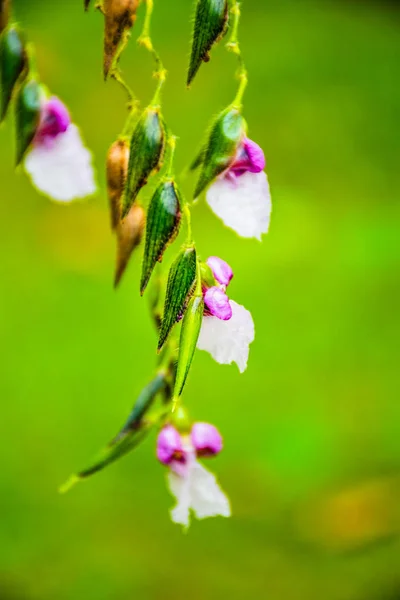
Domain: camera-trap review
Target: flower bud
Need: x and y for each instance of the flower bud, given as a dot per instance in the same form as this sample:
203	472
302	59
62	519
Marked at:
209	26
4	14
129	235
221	270
226	135
163	219
206	439
217	303
119	17
250	159
146	153
28	107
117	169
12	65
181	279
169	446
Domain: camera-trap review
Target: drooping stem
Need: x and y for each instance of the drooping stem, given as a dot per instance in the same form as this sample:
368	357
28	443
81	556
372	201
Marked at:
145	41
234	46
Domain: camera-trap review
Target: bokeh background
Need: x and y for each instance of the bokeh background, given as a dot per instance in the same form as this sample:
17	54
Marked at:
312	429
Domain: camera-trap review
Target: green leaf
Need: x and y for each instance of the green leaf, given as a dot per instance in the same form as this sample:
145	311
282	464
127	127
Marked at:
28	104
131	434
181	279
12	63
189	335
222	146
163	219
209	26
146	153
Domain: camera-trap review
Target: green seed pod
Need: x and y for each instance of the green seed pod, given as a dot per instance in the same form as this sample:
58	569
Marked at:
210	25
181	279
28	108
163	219
188	340
119	17
146	154
12	65
117	170
223	142
129	235
4	14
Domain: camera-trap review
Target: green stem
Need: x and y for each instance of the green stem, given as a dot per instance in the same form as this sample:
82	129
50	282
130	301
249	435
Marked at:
172	146
145	41
234	46
188	215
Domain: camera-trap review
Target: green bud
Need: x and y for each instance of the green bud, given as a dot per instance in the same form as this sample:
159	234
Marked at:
189	335
146	154
28	107
4	14
223	142
209	26
207	275
12	64
163	219
181	279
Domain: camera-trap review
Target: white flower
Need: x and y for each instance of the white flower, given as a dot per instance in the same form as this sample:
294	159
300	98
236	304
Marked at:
196	489
243	203
228	341
62	169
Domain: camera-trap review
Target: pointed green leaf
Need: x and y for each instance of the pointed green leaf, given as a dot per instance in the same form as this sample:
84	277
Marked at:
28	104
131	434
209	26
223	143
181	279
12	63
163	219
189	335
146	153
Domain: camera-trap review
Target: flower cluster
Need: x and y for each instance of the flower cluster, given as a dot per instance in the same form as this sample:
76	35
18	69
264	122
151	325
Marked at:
197	310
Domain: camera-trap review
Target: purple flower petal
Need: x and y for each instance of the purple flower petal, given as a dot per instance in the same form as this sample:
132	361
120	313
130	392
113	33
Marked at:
250	158
217	303
221	270
169	446
206	439
55	119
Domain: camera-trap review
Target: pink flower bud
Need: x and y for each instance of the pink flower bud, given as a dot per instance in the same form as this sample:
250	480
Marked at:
206	439
217	304
221	270
169	446
250	158
55	119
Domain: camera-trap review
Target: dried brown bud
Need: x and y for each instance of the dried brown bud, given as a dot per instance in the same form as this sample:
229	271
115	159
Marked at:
4	13
119	17
129	235
117	169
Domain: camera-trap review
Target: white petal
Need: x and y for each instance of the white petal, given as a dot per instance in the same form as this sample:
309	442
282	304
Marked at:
228	341
243	203
208	500
62	170
199	491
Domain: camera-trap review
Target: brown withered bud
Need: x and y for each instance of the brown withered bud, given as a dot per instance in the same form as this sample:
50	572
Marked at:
129	235
119	17
4	13
117	169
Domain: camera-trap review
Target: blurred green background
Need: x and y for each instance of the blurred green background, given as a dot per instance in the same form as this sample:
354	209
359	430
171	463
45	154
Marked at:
312	429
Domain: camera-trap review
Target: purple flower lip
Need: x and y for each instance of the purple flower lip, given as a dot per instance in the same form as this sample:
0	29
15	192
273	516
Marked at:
55	119
169	446
250	158
221	270
217	303
206	439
